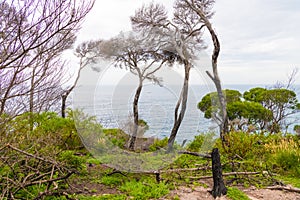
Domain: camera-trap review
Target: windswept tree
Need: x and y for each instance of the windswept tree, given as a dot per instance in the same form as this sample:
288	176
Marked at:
32	36
142	58
181	38
87	54
199	9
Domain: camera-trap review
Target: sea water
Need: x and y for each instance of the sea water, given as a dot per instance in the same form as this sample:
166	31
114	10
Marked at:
112	105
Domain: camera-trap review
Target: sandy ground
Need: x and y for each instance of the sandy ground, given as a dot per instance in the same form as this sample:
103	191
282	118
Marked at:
200	193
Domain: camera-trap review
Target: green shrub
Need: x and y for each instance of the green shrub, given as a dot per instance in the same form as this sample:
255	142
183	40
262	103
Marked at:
103	197
72	161
145	190
243	145
112	180
116	136
285	155
203	142
159	144
236	194
41	147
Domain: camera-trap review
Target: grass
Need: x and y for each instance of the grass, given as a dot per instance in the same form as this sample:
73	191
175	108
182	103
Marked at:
236	194
102	197
294	181
113	180
145	189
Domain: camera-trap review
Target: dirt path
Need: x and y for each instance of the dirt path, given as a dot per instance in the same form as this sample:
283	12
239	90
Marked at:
200	193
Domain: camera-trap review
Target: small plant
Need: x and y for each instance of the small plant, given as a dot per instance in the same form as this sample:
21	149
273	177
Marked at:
146	189
236	194
103	197
111	180
158	144
285	155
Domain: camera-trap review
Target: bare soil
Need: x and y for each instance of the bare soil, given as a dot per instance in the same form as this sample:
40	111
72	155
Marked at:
87	187
200	193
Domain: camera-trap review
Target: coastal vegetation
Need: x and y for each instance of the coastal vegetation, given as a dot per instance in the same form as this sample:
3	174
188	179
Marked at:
49	151
51	161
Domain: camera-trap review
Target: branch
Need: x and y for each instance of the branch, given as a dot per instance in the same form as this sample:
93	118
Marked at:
287	188
227	174
195	154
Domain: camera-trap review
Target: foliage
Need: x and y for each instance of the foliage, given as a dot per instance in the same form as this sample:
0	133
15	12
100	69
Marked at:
158	144
293	180
103	197
145	189
243	145
112	180
257	109
38	154
297	129
116	136
202	142
281	102
209	104
286	154
236	194
197	143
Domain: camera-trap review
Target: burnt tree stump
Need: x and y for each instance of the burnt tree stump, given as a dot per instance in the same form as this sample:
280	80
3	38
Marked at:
219	188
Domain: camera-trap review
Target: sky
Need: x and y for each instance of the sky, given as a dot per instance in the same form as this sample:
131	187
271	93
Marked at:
260	41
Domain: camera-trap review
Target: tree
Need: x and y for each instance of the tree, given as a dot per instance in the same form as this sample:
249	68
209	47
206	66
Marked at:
210	104
258	109
242	115
200	8
87	54
281	102
32	36
141	57
180	38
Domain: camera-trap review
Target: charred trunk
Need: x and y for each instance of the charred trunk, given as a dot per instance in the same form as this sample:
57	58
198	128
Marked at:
219	188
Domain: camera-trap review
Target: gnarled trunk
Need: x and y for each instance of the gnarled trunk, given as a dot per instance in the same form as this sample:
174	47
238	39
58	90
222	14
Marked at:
135	116
182	101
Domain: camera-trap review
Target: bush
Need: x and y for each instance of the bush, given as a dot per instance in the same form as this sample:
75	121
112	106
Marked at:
36	148
112	180
146	189
159	144
236	194
285	155
243	145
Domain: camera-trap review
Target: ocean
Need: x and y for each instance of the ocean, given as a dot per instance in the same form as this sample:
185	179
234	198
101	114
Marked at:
112	105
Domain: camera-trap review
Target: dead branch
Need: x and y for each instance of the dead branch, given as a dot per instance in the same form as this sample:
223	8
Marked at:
286	188
195	154
228	174
25	169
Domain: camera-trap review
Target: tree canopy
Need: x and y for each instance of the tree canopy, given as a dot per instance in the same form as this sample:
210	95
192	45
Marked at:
257	109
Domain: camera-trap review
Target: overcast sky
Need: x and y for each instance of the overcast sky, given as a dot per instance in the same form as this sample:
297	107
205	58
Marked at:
260	39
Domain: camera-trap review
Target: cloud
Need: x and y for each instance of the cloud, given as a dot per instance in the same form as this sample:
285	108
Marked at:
256	36
259	39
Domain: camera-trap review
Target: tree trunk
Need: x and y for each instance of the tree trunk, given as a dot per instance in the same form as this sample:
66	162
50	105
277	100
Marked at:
63	104
31	98
135	116
182	101
219	187
215	77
